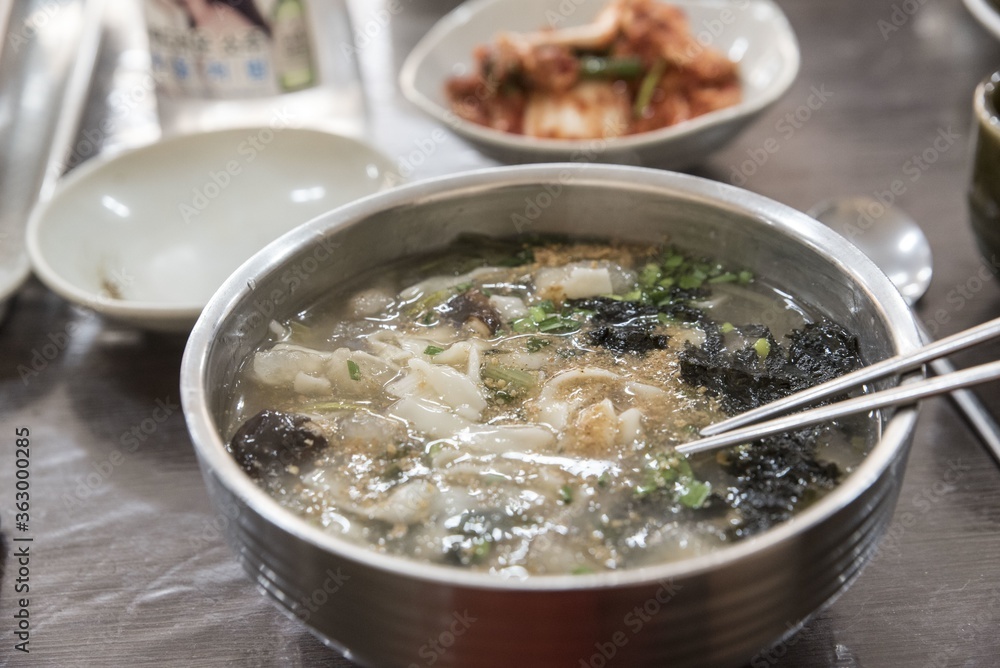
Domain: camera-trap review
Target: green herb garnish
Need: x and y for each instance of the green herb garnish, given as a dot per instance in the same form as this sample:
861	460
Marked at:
566	494
523	325
353	370
535	344
648	87
672	474
557	324
516	377
596	67
693	493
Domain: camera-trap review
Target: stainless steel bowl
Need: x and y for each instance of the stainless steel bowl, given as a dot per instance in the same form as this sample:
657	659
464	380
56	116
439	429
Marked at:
717	610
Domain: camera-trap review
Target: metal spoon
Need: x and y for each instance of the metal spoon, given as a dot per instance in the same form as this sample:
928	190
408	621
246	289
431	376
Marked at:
895	242
887	235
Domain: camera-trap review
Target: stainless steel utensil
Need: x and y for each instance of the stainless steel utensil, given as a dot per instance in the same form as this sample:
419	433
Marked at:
897	244
865	403
932	351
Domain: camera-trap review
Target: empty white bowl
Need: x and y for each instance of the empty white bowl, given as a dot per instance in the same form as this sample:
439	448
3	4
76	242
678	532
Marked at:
753	33
147	236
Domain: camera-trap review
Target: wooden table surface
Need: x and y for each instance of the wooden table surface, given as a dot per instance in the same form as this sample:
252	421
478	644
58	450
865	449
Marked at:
127	565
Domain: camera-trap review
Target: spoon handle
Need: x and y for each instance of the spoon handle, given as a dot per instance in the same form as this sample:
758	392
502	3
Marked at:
906	393
979	418
894	365
967	403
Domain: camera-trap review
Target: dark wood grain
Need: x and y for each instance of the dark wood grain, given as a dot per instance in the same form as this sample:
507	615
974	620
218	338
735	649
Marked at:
128	565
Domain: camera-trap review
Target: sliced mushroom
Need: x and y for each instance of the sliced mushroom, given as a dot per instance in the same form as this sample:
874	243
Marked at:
271	441
472	305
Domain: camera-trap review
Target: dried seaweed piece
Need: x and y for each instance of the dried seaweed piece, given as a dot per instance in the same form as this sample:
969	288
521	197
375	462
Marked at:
743	379
270	441
776	475
635	340
822	351
614	311
675	304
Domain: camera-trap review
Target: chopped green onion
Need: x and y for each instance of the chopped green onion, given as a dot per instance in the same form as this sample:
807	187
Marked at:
650	275
596	67
645	489
327	406
727	327
690	282
673	473
535	344
648	87
537	313
503	397
727	277
581	570
763	347
429	301
298	329
433	350
481	550
566	494
557	324
694	493
514	376
745	277
672	261
522	325
462	287
353	370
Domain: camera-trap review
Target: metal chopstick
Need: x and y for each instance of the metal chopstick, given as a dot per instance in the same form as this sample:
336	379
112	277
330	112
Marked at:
894	365
904	394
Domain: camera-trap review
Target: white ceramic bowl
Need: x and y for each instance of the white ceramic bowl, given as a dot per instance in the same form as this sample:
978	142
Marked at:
147	236
14	270
753	33
987	14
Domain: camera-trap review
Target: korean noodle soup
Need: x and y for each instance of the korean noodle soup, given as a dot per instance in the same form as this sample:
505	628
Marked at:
513	407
